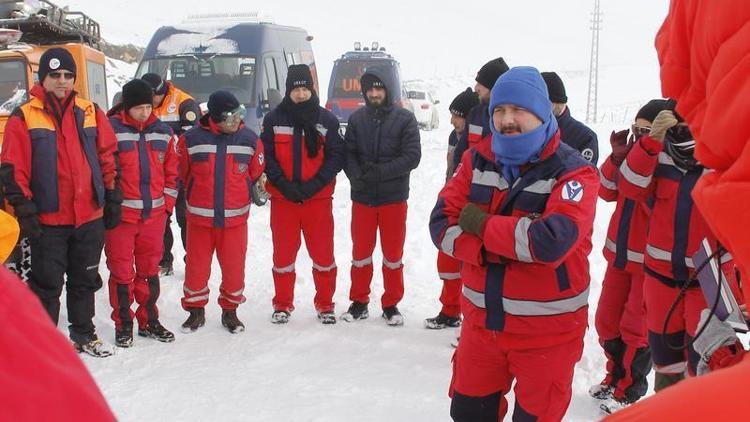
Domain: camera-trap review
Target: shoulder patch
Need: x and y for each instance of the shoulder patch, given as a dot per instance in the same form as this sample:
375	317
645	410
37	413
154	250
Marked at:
588	154
190	116
572	191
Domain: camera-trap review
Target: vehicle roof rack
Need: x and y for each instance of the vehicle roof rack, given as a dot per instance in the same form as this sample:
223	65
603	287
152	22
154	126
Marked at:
51	24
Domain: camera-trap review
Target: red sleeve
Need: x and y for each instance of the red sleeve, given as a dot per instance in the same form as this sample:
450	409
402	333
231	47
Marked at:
257	161
637	170
16	159
184	160
608	175
549	239
106	147
171	162
446	234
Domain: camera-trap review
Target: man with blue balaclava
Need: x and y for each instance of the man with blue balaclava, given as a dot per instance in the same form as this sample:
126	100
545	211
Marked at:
519	214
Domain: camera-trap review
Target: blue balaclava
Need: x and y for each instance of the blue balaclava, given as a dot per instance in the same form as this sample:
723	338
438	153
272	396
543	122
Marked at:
522	86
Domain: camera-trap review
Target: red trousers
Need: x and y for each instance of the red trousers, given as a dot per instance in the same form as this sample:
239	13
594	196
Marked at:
449	270
314	219
230	244
133	252
682	325
621	324
390	220
485	365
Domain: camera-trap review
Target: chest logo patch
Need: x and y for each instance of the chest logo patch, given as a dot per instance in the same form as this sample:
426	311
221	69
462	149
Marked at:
572	191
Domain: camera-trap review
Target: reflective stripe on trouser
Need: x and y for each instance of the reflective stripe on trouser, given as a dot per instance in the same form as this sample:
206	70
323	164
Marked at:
230	244
314	220
485	366
682	325
621	326
133	252
390	221
449	270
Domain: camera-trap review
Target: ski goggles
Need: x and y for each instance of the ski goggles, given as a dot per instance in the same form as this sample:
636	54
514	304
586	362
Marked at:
234	116
639	131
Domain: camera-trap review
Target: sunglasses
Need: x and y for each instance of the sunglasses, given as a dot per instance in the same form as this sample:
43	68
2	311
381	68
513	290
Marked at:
57	75
233	116
639	131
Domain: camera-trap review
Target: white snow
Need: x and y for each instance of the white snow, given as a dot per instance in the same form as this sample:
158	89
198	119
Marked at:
365	370
191	37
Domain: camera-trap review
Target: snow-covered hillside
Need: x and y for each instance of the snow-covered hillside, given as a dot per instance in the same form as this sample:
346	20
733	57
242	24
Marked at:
305	371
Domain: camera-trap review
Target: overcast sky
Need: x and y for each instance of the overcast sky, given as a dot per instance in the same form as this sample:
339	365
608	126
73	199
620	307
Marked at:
431	38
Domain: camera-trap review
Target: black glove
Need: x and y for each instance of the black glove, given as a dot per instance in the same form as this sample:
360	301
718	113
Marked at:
310	188
112	208
28	219
472	219
291	191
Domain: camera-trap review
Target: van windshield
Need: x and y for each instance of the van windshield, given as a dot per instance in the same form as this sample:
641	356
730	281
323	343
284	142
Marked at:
199	76
348	72
13	88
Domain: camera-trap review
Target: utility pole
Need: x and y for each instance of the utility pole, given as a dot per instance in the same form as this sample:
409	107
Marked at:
596	26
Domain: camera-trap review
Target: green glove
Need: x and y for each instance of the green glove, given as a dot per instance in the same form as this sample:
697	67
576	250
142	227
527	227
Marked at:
472	219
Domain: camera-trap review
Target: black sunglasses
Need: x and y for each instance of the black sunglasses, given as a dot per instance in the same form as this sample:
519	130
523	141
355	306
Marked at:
58	75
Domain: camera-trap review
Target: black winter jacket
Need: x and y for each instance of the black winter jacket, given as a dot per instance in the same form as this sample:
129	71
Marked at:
385	141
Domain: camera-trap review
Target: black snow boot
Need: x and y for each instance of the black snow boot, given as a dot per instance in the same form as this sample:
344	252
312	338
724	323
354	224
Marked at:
195	321
392	316
442	321
357	310
156	331
124	337
231	322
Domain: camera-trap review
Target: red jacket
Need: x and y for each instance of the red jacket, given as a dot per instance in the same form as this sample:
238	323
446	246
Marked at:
63	166
219	171
528	273
704	52
148	162
42	376
626	235
287	158
676	226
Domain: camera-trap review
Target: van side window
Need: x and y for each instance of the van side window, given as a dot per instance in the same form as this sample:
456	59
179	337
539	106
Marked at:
97	83
271	91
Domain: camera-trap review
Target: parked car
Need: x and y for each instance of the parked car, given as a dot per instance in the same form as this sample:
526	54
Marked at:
344	90
423	107
245	53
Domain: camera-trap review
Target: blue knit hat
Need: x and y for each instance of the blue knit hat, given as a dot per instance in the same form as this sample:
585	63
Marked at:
523	86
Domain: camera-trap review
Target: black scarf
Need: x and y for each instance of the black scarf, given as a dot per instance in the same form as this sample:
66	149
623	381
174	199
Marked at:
305	115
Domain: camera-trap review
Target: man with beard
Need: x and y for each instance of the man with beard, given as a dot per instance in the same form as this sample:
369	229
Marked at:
383	147
478	120
518	213
304	152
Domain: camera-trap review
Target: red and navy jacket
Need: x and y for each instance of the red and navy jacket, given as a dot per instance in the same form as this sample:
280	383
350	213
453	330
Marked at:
219	170
528	272
147	162
60	155
477	128
287	158
626	236
676	226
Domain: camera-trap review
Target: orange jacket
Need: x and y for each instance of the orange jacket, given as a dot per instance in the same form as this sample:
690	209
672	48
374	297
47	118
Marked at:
704	51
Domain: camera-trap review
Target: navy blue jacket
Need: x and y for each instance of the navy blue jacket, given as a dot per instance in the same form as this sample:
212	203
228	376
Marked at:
385	139
477	127
578	136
